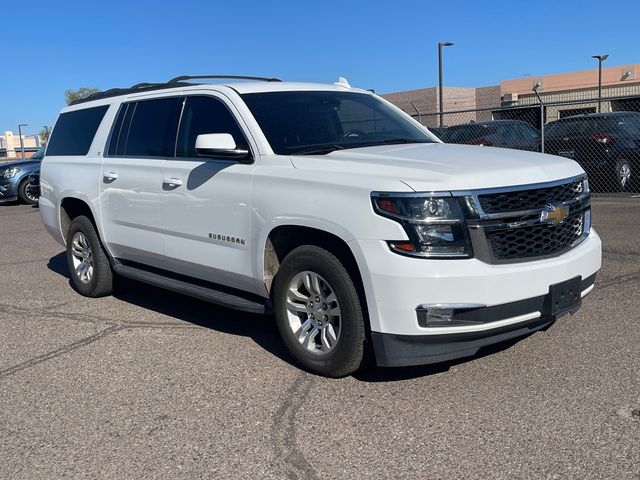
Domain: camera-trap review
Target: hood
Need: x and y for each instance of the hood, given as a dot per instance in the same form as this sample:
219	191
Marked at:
19	163
442	166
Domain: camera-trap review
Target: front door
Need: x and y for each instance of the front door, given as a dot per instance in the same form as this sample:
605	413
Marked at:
206	202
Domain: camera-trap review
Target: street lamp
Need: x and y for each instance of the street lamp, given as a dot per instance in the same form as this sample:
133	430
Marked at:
535	90
440	45
21	141
600	58
46	134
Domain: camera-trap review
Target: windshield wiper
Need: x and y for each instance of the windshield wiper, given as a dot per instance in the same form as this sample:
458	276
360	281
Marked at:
319	150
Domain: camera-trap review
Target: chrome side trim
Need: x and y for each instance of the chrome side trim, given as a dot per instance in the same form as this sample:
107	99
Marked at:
455	306
529	186
480	327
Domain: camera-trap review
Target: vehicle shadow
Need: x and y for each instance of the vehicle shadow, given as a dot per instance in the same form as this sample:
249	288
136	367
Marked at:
260	328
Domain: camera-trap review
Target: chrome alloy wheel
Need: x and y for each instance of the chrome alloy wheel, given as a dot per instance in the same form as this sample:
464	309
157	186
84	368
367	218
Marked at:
313	312
624	174
82	257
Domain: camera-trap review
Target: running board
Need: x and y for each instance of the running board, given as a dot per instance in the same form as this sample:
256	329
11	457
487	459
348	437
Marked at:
223	299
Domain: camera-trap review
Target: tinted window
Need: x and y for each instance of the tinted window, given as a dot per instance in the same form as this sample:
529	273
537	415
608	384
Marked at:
304	122
528	131
117	128
468	133
152	132
205	115
74	131
559	129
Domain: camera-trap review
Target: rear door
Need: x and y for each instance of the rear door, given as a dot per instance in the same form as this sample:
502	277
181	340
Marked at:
143	136
206	202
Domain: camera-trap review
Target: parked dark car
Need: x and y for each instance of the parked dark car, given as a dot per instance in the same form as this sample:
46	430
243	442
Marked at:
606	145
439	132
495	133
14	178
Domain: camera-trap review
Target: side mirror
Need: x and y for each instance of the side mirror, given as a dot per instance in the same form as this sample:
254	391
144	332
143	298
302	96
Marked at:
220	145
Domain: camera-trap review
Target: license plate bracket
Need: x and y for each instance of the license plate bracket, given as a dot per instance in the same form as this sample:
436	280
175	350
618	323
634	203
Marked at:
565	296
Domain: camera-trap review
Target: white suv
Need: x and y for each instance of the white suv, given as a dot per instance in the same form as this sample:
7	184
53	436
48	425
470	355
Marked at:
365	235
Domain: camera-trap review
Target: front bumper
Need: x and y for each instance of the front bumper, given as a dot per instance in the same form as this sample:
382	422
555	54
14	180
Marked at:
8	191
396	286
530	315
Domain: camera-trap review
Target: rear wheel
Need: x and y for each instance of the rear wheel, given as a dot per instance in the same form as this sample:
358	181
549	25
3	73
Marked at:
25	195
623	175
318	312
88	262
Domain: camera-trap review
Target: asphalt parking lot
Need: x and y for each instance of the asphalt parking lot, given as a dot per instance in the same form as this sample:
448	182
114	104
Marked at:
151	384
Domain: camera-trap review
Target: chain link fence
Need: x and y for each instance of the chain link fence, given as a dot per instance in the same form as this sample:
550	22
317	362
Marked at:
603	136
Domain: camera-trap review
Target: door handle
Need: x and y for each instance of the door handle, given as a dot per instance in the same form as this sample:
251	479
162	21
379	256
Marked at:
109	177
171	183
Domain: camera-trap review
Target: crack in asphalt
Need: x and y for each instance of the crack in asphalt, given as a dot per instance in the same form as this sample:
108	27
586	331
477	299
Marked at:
79	317
22	262
619	280
283	430
20	231
59	351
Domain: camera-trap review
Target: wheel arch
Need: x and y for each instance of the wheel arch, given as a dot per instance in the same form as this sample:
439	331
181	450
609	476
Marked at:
71	207
283	238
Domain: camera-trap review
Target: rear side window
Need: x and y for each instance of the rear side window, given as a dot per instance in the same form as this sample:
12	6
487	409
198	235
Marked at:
205	115
152	128
559	128
74	131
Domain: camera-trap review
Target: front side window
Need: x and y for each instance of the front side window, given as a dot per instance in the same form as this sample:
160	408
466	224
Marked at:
202	115
316	122
74	131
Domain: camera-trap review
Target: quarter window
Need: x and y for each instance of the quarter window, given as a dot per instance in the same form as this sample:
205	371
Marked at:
74	131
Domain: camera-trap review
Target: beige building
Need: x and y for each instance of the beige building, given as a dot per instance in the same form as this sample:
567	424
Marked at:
568	93
10	145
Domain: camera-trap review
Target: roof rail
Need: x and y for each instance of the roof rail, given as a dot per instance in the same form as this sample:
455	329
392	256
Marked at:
235	77
174	82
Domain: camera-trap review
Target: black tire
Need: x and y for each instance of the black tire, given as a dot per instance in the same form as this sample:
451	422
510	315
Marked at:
623	186
100	283
348	353
23	195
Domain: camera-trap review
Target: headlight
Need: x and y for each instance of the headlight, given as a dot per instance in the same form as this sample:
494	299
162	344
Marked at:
10	172
434	224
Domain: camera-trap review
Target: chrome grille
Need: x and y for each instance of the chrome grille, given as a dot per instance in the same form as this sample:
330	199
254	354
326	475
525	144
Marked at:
535	240
506	224
518	200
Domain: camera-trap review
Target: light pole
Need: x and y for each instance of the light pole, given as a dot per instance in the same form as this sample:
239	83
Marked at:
535	90
600	58
46	134
440	45
21	141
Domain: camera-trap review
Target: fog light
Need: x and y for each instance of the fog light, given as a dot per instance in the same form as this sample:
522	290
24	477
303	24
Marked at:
443	315
435	316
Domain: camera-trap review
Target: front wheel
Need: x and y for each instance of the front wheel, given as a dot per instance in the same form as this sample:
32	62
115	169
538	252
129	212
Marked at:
318	312
25	195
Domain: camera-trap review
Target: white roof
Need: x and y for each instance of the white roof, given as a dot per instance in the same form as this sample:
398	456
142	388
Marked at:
255	87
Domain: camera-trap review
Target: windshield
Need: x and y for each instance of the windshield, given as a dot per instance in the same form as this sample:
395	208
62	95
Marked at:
319	122
38	155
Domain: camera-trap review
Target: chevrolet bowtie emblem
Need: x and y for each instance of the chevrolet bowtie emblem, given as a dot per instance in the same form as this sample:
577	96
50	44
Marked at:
554	214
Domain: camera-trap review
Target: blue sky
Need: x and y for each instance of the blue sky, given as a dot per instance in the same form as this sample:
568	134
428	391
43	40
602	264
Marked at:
389	46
